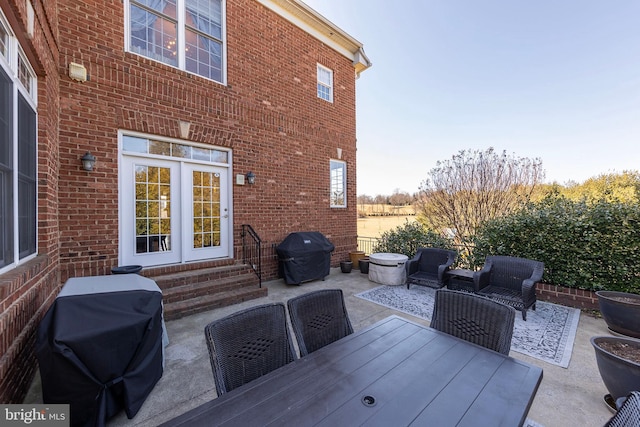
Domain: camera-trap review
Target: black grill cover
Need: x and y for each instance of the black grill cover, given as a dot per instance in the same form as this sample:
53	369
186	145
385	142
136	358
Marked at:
304	256
100	353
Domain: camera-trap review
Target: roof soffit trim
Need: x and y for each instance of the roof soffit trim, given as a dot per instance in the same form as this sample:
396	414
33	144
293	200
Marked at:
321	28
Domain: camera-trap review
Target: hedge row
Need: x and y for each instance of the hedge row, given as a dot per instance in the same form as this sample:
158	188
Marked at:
583	245
588	246
407	238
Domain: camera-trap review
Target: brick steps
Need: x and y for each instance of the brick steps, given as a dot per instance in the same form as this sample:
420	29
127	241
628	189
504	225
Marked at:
188	292
203	274
199	304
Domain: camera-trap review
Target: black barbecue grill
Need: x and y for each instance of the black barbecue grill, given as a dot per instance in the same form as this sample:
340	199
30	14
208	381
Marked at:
304	256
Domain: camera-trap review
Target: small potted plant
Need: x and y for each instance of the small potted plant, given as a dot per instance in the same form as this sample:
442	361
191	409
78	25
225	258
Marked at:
364	265
346	266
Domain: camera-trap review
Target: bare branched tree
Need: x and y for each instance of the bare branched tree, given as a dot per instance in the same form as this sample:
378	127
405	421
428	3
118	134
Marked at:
473	187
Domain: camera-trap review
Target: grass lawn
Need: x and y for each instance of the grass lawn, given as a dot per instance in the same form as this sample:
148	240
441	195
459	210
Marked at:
374	226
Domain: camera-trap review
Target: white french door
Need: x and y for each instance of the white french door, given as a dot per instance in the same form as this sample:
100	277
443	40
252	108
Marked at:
172	211
206	212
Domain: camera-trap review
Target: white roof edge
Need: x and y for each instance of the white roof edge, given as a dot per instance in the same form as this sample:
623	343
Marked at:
304	17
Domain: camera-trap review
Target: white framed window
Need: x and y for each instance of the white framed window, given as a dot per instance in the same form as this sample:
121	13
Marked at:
325	83
338	183
4	40
18	153
186	34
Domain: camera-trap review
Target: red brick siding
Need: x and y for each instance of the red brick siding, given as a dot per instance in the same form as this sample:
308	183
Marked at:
268	114
27	291
578	298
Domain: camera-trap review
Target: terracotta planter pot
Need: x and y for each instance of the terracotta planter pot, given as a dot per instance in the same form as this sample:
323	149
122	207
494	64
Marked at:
621	376
621	311
355	257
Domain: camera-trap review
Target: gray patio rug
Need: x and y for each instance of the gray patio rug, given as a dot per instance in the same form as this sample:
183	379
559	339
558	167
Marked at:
548	333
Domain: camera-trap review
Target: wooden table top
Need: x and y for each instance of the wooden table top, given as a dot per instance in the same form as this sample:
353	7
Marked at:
394	372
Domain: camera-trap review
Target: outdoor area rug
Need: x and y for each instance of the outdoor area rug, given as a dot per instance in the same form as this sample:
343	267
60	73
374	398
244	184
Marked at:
548	333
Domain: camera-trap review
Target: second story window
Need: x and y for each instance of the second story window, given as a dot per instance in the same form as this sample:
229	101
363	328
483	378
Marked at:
325	83
4	41
187	34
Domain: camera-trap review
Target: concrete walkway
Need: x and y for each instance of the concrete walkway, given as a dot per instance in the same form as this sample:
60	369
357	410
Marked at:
566	397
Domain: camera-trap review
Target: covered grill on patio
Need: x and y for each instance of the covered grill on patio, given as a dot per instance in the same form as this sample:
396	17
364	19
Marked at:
304	256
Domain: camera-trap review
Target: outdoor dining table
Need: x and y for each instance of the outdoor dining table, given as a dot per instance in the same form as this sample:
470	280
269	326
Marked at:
100	346
393	373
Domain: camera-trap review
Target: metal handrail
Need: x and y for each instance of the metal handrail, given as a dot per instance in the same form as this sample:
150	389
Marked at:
252	250
367	244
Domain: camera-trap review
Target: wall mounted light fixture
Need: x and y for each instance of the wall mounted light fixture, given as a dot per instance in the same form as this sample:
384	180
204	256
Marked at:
251	178
88	161
78	72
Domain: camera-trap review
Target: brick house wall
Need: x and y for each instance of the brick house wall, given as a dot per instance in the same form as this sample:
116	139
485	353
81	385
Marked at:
268	114
28	290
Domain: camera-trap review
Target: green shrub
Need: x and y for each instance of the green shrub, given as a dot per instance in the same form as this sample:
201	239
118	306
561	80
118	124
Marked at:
588	246
407	238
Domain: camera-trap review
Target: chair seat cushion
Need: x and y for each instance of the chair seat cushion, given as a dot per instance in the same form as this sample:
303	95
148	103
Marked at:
424	279
504	295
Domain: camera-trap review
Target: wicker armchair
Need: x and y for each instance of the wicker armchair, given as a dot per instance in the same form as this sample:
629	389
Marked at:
319	318
428	266
510	280
628	414
474	318
248	344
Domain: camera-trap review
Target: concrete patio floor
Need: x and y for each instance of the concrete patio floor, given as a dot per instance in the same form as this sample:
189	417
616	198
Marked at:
566	397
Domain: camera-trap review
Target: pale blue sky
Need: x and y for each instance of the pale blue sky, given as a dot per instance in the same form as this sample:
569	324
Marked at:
557	80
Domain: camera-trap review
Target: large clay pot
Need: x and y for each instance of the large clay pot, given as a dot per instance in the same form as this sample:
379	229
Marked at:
621	376
621	311
355	257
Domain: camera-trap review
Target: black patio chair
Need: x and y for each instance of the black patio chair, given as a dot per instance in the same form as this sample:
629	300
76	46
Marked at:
510	280
248	344
474	318
428	266
628	414
319	318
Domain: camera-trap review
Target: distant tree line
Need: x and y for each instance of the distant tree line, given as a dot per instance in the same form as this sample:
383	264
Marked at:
395	204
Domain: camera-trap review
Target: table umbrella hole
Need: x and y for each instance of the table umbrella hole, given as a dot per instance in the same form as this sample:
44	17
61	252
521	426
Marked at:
369	400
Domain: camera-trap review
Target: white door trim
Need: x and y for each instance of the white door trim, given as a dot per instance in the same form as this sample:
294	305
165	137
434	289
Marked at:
126	196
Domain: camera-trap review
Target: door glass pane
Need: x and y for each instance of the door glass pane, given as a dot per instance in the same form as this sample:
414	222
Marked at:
153	209
144	145
206	209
